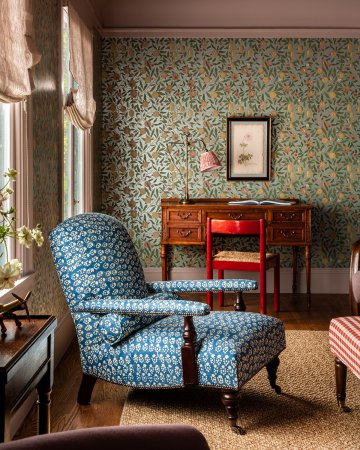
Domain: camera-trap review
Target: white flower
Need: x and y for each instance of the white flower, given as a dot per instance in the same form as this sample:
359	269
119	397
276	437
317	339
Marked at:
25	236
9	273
11	173
37	236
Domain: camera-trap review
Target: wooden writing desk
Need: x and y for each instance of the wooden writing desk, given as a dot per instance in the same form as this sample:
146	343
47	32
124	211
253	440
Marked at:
286	225
26	363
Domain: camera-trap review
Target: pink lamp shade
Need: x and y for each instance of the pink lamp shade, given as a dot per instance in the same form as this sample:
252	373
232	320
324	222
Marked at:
209	161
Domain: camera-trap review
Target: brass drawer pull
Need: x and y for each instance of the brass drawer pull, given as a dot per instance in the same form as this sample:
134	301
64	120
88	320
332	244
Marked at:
288	216
184	215
184	233
287	233
235	216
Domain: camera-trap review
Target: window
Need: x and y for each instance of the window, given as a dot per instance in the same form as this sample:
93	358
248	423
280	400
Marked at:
15	152
77	144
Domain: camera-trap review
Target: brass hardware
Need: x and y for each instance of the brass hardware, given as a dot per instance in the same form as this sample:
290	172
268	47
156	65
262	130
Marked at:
183	215
290	216
184	233
235	216
287	233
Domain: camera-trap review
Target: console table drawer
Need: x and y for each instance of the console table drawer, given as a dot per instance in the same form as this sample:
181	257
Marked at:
288	216
281	235
186	234
177	215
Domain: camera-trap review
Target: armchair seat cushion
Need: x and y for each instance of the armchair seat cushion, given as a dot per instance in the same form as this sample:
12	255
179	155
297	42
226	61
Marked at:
233	347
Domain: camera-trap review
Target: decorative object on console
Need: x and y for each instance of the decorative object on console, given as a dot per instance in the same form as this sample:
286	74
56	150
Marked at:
7	311
104	286
248	148
208	162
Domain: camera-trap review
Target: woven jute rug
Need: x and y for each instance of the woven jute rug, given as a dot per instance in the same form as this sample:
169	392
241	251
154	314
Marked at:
304	416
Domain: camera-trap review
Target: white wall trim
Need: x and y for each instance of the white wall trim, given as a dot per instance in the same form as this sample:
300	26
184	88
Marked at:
323	281
231	32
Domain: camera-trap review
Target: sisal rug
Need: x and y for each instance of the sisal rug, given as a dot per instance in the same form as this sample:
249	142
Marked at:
304	416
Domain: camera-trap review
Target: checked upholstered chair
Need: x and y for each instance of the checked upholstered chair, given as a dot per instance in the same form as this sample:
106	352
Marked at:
144	335
344	333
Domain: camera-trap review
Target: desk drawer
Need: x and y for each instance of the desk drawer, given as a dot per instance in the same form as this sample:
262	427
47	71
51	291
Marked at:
282	235
237	215
184	234
179	215
288	216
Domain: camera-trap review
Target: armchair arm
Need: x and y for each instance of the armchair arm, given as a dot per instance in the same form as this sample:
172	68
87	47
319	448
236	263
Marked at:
144	306
354	295
229	285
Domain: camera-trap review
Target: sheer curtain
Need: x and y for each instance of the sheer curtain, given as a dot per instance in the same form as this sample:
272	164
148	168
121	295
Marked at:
18	52
80	105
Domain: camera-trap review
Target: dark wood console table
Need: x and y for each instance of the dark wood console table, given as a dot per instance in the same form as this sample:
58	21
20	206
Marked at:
26	363
286	226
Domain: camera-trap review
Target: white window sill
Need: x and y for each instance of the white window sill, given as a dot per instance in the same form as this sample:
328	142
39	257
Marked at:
21	288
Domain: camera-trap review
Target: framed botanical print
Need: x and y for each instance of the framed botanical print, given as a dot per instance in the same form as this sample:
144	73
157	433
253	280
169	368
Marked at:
248	148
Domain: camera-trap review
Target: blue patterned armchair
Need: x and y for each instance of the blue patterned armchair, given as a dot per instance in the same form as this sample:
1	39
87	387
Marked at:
144	335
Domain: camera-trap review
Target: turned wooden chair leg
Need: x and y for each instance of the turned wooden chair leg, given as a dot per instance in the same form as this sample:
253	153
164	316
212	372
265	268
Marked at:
271	368
86	389
239	304
231	399
340	374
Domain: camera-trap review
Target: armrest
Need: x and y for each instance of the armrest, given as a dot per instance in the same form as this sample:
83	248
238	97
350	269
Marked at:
144	306
229	285
353	288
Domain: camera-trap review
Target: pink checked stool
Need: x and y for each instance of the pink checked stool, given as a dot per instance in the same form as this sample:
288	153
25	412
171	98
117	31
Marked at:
344	340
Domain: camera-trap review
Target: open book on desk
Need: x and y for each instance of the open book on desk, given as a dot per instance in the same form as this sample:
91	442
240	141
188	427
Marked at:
263	202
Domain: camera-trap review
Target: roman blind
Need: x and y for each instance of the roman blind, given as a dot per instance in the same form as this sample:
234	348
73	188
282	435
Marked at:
18	52
80	105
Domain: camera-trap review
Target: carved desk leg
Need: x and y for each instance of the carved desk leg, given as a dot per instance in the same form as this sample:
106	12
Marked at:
164	263
231	399
294	264
308	274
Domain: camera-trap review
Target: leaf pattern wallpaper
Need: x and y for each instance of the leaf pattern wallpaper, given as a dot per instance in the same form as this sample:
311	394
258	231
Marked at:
154	89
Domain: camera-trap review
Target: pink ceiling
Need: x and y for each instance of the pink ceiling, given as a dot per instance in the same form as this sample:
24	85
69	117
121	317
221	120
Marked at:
223	14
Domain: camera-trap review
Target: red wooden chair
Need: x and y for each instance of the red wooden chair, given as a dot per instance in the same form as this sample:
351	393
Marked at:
244	261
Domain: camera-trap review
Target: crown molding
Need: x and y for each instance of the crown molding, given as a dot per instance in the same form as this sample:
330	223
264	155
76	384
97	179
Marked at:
231	32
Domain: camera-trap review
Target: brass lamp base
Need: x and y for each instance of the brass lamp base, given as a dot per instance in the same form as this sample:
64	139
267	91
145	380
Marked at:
186	201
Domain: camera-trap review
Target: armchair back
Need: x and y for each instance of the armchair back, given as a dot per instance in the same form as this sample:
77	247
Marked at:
96	259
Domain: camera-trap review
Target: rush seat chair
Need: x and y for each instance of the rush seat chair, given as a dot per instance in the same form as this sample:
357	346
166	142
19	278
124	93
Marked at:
144	335
258	261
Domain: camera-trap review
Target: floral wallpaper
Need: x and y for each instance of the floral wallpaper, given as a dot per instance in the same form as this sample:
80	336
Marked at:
155	89
47	297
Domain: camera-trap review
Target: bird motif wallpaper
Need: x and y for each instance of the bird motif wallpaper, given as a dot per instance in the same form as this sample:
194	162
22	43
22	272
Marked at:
156	89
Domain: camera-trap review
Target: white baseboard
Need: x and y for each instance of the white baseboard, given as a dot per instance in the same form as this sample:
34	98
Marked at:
64	334
323	281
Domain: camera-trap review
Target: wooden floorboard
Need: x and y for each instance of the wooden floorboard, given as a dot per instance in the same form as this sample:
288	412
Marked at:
108	399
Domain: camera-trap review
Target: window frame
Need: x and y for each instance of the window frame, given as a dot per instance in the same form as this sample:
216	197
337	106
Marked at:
86	179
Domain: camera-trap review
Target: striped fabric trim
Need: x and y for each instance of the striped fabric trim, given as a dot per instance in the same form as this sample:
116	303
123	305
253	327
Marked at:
344	340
